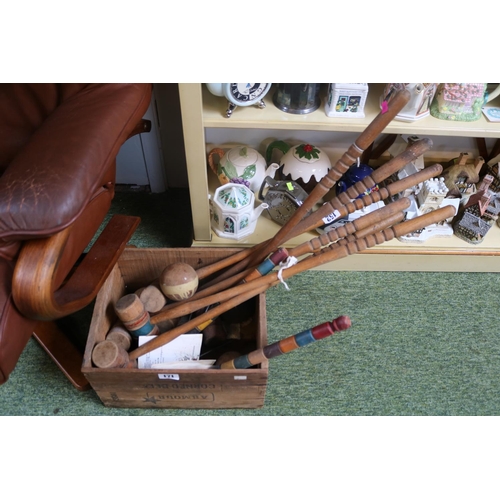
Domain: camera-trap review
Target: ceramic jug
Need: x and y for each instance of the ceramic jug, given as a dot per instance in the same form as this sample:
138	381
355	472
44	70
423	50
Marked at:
305	164
462	101
241	165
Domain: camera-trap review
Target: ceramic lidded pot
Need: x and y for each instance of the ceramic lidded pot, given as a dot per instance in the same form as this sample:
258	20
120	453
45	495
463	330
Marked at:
240	165
232	211
305	164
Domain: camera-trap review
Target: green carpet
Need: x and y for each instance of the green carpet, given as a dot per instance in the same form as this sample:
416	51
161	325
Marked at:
420	343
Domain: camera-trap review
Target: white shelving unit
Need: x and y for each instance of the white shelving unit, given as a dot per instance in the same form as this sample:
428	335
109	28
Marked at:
205	126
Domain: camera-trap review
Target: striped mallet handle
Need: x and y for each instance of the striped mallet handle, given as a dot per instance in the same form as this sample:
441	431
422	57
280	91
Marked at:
288	344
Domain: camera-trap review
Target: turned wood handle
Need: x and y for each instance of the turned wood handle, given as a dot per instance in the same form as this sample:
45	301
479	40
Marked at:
288	344
368	220
241	293
377	125
165	338
344	206
361	244
342	202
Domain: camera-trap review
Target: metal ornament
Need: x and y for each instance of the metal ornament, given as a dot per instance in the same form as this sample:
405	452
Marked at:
240	94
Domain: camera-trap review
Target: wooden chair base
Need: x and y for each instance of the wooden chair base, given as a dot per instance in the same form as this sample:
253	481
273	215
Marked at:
62	351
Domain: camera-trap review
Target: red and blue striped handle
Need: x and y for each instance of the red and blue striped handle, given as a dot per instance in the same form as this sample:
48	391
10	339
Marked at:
289	344
266	266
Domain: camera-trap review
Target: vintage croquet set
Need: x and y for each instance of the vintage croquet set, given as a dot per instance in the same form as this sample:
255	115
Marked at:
219	294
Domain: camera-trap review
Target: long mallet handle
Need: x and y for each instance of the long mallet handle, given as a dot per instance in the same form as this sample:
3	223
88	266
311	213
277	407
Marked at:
371	220
383	193
341	204
288	344
378	124
165	338
241	293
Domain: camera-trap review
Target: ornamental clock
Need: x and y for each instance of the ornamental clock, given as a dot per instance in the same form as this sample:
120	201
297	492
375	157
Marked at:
282	197
240	94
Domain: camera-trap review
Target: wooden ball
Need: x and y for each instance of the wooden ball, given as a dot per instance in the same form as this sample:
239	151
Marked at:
179	281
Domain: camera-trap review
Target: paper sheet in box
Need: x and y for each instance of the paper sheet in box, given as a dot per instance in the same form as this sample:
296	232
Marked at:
186	347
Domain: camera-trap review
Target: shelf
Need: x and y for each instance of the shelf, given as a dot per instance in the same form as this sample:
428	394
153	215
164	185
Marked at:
272	118
202	111
442	253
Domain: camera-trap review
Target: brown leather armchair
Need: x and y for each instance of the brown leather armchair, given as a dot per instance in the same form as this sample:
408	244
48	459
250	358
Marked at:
58	145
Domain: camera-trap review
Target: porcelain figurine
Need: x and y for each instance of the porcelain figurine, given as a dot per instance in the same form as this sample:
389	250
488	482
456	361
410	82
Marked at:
462	175
241	165
479	214
428	196
418	107
232	211
461	101
305	164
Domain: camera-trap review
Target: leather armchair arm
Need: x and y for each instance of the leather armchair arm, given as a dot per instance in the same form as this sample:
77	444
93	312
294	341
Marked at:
49	183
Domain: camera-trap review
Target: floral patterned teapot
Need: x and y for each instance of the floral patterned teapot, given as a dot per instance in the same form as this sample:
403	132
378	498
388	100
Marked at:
241	165
304	164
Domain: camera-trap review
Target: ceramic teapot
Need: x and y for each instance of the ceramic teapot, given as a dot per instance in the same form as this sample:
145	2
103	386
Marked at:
232	211
461	101
241	165
304	164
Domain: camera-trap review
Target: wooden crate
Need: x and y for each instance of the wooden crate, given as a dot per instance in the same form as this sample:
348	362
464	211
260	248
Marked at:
147	388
